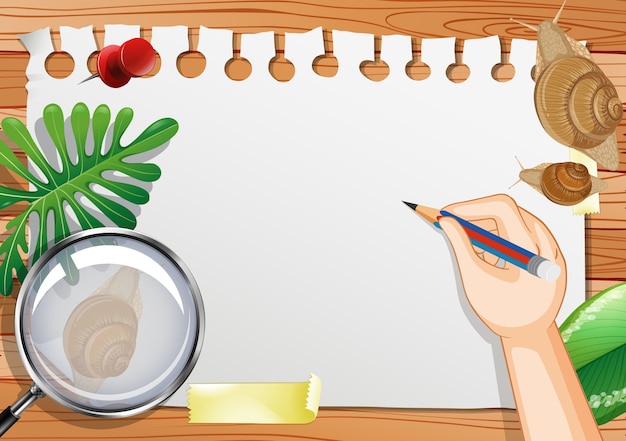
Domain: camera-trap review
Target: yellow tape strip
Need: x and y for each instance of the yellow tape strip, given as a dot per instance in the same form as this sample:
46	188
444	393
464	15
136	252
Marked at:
256	403
592	203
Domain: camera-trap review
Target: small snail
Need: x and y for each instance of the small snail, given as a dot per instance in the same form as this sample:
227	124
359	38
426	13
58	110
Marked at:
564	183
100	334
576	103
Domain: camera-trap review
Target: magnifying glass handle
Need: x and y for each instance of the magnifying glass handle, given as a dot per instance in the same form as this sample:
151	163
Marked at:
11	414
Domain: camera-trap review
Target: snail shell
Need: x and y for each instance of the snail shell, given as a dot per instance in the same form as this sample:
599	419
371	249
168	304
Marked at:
564	183
576	103
100	336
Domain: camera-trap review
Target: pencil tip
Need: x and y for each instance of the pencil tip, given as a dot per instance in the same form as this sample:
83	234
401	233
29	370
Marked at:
410	205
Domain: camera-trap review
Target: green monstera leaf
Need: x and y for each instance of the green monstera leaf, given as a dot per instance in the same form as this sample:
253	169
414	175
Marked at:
595	338
54	189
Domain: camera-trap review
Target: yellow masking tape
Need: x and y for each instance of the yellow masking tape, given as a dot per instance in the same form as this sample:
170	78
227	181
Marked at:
591	204
256	403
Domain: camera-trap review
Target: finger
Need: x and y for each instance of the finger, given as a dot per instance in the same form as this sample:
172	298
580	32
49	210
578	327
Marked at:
487	225
463	249
492	260
547	245
504	211
480	252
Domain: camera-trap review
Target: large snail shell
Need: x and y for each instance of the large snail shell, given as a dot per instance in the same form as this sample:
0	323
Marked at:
576	103
100	335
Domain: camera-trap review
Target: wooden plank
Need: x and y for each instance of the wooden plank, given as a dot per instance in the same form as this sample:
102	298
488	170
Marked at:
47	420
13	74
10	363
595	286
605	256
18	112
600	23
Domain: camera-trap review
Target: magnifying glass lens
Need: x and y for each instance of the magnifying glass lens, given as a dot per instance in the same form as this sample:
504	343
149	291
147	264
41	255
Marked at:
109	325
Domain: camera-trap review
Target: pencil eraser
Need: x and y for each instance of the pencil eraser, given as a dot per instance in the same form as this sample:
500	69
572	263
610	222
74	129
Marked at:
549	271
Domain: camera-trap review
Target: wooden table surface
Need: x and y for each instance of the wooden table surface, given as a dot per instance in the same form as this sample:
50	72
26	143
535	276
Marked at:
601	24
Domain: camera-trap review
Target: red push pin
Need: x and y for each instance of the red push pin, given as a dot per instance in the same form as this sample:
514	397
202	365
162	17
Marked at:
118	64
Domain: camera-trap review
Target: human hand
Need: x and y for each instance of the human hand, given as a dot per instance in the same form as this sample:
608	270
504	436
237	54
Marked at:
508	299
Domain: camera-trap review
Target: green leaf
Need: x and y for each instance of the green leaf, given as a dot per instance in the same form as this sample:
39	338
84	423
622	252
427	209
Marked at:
50	198
595	338
80	128
53	119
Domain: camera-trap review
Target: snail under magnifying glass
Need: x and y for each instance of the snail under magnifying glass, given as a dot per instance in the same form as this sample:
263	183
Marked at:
564	183
576	103
100	335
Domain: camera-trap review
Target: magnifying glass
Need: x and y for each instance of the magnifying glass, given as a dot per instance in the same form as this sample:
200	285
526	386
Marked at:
109	323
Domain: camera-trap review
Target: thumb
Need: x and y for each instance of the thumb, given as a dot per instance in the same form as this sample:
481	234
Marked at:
461	245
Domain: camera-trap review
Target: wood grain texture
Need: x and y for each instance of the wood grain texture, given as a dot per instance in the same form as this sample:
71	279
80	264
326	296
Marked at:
47	420
602	24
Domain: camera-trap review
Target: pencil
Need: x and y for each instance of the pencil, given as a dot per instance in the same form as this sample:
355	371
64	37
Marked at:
496	245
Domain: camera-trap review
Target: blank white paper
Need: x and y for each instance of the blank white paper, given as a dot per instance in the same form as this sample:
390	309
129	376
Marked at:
285	201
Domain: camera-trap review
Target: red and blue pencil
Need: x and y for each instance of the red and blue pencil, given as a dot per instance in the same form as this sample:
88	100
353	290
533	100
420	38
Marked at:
493	244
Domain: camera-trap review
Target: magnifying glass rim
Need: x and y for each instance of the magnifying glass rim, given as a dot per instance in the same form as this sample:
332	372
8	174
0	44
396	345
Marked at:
50	390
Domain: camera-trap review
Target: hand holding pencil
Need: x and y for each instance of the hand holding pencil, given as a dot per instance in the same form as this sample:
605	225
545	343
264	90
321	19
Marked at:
506	297
521	308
